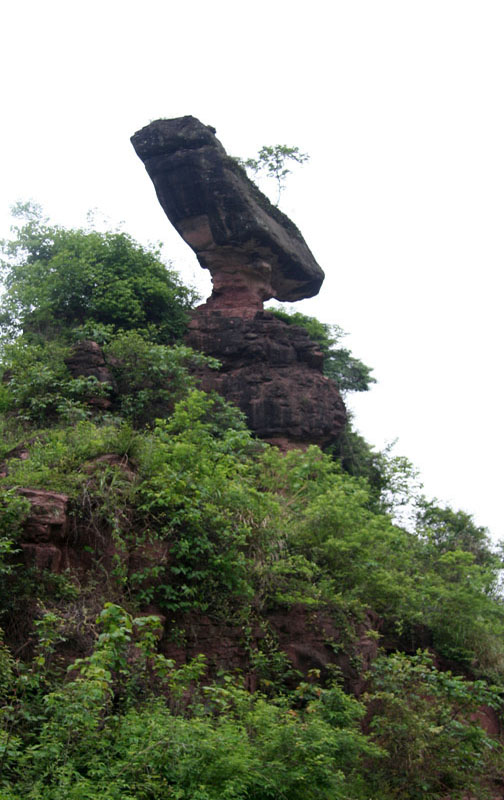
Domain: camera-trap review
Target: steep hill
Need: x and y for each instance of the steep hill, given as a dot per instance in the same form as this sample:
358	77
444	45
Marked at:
188	609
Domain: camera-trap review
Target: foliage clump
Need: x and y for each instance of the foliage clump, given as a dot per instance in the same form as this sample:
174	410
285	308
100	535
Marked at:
57	279
272	160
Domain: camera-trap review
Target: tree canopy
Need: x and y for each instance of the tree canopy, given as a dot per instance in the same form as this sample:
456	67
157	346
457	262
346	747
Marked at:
57	279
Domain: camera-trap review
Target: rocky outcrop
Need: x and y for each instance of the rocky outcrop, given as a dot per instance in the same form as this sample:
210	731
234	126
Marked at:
45	530
55	538
272	371
87	360
308	638
253	251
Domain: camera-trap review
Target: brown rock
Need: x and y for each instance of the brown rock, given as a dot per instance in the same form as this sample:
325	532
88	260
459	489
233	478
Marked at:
313	640
43	556
272	371
221	643
489	720
310	638
86	361
112	460
253	250
48	520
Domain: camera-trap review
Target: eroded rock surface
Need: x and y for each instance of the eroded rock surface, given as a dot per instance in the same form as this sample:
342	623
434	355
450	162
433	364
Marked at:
88	361
273	372
309	638
253	251
45	530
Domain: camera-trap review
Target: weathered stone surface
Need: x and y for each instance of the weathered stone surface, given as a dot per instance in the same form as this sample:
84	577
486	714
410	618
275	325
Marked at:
253	250
313	640
87	361
43	556
310	638
48	520
45	531
272	371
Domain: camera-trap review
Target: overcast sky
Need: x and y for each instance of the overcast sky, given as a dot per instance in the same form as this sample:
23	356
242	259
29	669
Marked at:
399	104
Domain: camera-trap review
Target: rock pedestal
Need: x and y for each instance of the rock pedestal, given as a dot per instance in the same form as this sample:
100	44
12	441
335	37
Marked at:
253	251
271	370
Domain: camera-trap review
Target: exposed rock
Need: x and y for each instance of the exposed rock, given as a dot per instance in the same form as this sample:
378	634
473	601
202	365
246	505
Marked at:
253	250
310	638
48	520
43	556
45	530
112	460
20	451
87	361
489	719
272	371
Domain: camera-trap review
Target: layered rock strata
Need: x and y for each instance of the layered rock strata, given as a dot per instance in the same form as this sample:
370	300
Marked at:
273	372
253	251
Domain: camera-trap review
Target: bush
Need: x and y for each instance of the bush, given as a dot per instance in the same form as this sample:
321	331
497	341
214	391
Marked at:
423	719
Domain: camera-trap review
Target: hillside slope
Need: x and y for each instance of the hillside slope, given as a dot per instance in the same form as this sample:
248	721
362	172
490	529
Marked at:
187	610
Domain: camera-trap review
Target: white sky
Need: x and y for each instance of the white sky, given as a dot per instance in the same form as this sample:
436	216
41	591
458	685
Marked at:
400	105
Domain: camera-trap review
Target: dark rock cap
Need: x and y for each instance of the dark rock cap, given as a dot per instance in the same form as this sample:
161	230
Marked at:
253	250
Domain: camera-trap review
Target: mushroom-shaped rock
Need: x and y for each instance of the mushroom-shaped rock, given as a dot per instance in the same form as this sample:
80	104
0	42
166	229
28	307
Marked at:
253	251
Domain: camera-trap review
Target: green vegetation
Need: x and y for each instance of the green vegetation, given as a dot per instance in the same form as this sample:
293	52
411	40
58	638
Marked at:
57	279
180	517
271	160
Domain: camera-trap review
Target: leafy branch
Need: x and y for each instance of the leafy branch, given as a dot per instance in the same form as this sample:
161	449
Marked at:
271	160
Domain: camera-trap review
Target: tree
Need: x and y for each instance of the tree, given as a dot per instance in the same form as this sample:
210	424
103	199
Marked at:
58	279
448	530
272	160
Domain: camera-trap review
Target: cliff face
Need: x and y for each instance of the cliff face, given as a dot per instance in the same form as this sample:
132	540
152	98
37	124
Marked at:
271	370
